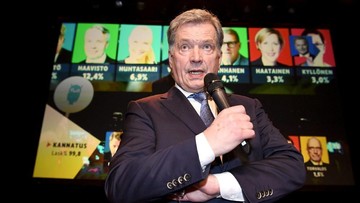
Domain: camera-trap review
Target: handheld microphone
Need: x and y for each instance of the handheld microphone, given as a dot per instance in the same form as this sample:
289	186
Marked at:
215	88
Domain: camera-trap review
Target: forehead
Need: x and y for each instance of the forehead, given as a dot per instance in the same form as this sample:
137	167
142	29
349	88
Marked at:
141	33
196	32
314	142
300	41
94	33
228	35
272	37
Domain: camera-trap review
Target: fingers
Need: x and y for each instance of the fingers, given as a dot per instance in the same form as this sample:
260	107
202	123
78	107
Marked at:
229	129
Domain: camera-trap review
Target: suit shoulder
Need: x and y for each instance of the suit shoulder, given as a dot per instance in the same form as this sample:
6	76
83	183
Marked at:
110	60
236	99
152	98
241	97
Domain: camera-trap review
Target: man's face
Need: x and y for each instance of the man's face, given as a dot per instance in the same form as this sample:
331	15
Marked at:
95	43
301	46
230	49
194	55
314	150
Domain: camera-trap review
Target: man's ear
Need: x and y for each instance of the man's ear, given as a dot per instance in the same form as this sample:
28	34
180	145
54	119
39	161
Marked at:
170	57
220	57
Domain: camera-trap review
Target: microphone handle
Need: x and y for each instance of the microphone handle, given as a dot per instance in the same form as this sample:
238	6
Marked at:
221	101
245	146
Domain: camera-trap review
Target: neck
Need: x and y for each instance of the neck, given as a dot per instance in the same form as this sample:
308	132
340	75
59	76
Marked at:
100	59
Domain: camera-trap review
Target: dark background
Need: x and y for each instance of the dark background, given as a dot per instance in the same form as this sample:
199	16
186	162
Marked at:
338	15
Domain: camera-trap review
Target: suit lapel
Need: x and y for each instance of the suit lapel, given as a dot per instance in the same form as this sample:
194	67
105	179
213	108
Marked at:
180	107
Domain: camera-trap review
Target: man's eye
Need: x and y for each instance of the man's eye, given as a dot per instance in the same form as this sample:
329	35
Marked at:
207	48
184	47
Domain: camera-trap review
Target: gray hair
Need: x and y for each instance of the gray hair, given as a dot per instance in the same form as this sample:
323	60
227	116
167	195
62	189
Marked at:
197	16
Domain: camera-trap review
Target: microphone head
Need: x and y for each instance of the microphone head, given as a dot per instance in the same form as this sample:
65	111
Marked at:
212	82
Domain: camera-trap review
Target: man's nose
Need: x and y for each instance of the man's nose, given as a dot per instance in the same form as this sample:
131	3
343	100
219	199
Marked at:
196	54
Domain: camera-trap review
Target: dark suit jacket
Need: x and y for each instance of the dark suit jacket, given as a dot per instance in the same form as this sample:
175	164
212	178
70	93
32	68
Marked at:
163	84
157	155
64	56
312	56
243	61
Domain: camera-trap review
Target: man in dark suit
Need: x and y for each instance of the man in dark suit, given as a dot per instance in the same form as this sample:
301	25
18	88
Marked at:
231	49
301	44
318	171
168	154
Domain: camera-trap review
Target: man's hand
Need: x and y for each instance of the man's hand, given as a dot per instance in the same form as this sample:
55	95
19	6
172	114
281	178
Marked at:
203	191
229	129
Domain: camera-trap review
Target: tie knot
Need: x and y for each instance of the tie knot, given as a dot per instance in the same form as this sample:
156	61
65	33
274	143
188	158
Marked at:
199	97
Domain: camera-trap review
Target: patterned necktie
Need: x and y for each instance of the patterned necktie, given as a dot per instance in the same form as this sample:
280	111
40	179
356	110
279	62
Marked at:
205	112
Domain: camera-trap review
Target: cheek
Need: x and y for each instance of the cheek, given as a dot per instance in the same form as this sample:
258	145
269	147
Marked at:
277	50
261	48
